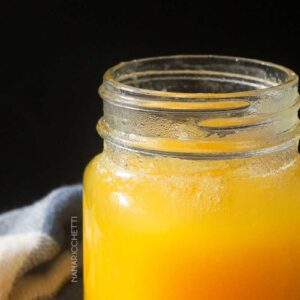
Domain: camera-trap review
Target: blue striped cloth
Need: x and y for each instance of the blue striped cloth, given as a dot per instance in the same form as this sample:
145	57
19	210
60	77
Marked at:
41	248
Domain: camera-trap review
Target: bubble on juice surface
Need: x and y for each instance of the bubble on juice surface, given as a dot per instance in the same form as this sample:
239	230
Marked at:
268	164
193	194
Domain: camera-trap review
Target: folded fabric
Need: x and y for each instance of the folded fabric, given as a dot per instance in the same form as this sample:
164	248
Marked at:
40	248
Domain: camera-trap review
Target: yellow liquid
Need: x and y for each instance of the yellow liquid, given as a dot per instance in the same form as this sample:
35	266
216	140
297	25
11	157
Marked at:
172	229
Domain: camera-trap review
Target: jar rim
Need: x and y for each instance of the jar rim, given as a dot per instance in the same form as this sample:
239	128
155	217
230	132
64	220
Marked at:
148	106
111	79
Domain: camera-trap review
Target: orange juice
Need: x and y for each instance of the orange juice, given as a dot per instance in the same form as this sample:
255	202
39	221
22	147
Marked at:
167	229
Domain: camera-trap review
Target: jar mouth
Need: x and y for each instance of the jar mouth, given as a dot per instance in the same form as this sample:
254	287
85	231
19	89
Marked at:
200	106
197	77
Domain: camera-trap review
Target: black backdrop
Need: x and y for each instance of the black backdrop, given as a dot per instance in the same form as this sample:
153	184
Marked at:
53	54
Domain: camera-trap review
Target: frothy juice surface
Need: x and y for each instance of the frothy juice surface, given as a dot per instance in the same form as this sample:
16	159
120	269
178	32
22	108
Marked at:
172	229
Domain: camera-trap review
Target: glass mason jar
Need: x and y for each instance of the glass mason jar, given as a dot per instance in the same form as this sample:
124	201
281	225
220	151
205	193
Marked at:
196	194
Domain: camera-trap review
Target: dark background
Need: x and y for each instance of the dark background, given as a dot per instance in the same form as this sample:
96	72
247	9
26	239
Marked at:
53	54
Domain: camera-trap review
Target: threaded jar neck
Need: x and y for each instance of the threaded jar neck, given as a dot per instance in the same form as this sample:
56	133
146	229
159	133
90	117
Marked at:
197	106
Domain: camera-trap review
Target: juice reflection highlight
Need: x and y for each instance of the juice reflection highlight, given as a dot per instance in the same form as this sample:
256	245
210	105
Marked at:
168	229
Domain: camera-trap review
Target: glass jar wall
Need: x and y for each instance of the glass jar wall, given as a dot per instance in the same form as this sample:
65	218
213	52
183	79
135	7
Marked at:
195	195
